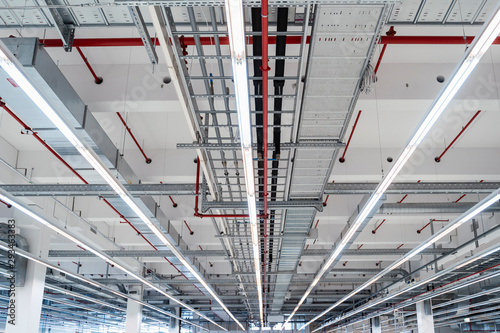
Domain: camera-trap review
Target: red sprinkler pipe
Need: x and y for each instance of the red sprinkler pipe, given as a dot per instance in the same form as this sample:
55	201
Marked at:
6	204
35	135
224	40
191	232
148	160
342	159
390	32
97	79
327	196
211	265
400	246
173	202
463	195
265	77
433	220
196	199
438	159
400	201
375	230
26	127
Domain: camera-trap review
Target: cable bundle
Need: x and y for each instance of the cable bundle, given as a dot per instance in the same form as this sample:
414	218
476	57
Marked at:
368	80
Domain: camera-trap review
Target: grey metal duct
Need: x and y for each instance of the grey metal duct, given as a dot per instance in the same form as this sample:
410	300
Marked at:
21	263
41	69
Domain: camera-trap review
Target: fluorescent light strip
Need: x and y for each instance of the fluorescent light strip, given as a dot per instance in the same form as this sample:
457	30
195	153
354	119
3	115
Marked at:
479	46
79	277
475	210
237	44
65	233
444	291
8	63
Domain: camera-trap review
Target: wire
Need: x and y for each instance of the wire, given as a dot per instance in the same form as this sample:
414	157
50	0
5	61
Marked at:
368	80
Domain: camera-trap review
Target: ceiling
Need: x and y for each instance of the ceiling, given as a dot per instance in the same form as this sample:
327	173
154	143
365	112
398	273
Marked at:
320	105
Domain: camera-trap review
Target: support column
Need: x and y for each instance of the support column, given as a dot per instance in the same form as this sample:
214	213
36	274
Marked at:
175	325
28	299
376	327
134	311
425	319
349	329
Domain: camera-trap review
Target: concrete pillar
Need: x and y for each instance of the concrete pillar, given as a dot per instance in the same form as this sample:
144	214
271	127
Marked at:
134	311
175	326
349	329
28	299
376	327
425	319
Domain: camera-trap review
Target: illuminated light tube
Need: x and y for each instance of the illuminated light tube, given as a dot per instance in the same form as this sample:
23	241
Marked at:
79	277
8	198
470	59
237	45
468	215
10	64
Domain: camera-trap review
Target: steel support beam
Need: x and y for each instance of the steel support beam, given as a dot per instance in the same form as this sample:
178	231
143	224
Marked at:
222	253
189	189
136	15
98	189
63	21
234	146
291	204
413	188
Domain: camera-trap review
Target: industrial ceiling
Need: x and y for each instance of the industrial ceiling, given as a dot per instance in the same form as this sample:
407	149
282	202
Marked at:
141	183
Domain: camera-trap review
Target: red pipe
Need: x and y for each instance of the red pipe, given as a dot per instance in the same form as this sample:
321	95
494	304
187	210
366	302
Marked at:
375	230
342	159
197	187
400	246
400	201
380	58
191	232
327	196
211	265
265	106
317	222
173	202
446	284
148	160
401	40
26	127
6	204
391	32
463	195
438	159
97	79
196	200
433	220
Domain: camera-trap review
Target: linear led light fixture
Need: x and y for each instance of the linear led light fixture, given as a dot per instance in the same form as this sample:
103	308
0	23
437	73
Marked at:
67	234
478	48
12	66
29	256
475	210
461	285
237	44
